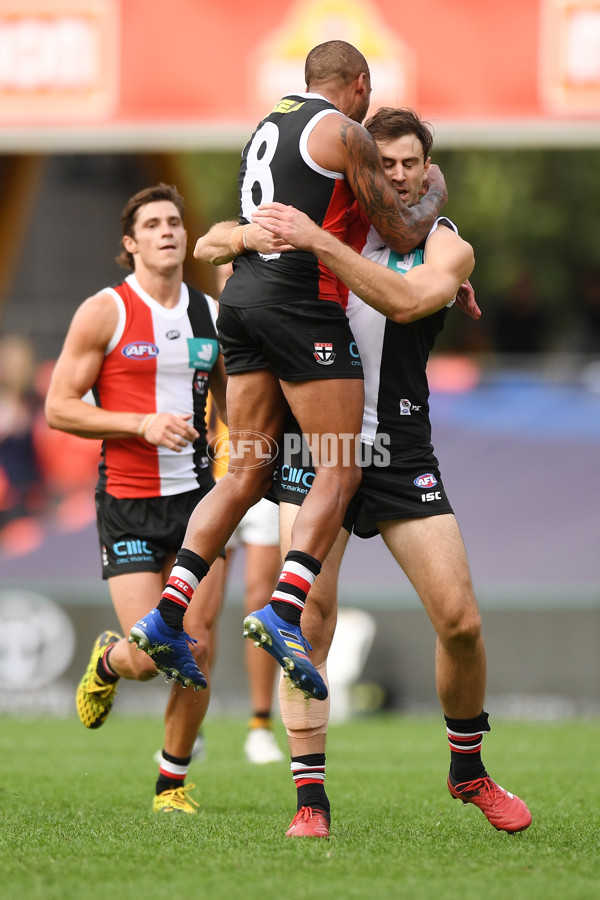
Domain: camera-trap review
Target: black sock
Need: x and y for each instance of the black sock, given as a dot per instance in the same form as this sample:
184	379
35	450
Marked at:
297	576
172	772
309	778
188	570
103	669
465	738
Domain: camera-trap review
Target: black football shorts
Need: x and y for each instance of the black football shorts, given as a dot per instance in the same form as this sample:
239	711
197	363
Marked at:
395	485
299	341
138	534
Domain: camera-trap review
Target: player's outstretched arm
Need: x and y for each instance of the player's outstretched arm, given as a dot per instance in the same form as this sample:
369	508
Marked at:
449	262
226	240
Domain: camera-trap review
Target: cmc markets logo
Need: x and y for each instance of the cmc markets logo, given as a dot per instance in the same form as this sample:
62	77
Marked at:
38	640
243	449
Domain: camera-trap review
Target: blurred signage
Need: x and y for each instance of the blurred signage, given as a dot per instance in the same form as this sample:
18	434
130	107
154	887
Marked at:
571	56
38	640
58	59
276	66
94	73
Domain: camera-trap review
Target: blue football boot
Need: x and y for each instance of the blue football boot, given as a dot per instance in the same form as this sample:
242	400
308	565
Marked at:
286	643
169	649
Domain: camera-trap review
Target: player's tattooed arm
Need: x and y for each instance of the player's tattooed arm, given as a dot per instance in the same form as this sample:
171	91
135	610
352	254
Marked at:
401	227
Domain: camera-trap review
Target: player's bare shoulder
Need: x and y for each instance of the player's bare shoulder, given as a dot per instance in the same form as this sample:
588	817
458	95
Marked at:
445	247
336	139
97	318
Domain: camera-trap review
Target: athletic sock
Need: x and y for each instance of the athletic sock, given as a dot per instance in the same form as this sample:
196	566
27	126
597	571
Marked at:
298	574
103	668
260	720
465	738
309	777
172	772
188	571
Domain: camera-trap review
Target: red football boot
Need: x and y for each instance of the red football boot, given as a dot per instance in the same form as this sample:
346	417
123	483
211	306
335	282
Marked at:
309	822
503	810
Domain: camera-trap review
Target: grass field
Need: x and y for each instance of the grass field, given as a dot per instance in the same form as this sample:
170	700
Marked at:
75	819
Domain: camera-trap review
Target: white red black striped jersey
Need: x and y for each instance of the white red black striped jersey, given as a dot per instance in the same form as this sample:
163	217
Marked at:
158	360
394	356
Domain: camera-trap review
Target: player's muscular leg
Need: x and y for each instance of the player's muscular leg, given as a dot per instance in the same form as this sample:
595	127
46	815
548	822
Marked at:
332	408
263	565
255	404
432	554
133	595
306	721
186	709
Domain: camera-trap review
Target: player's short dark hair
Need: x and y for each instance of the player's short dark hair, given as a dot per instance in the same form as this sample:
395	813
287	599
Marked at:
389	123
130	210
335	62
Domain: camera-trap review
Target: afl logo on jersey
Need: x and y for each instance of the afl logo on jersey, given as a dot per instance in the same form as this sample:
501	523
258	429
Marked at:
140	350
426	481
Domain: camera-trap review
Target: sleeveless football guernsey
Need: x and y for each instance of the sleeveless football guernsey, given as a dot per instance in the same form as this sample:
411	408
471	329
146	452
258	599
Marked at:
276	165
159	360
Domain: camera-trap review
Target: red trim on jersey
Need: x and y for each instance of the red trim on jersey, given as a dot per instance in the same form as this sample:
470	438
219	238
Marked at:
128	384
336	221
346	221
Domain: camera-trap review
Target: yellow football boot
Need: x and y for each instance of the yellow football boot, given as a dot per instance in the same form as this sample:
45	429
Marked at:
94	696
175	800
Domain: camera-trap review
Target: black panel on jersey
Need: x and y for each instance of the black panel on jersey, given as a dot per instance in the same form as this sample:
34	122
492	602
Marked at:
403	376
203	326
294	275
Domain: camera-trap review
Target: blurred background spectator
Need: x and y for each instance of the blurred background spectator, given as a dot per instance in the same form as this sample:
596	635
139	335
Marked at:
587	308
520	322
46	477
21	489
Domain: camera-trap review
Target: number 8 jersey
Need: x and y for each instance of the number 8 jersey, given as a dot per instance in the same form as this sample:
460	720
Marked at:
276	166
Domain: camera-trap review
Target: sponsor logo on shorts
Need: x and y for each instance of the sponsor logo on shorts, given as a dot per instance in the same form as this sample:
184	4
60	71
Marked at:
140	350
296	479
425	481
323	353
356	360
135	550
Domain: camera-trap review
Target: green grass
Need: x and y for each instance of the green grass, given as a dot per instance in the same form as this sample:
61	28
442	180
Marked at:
75	819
